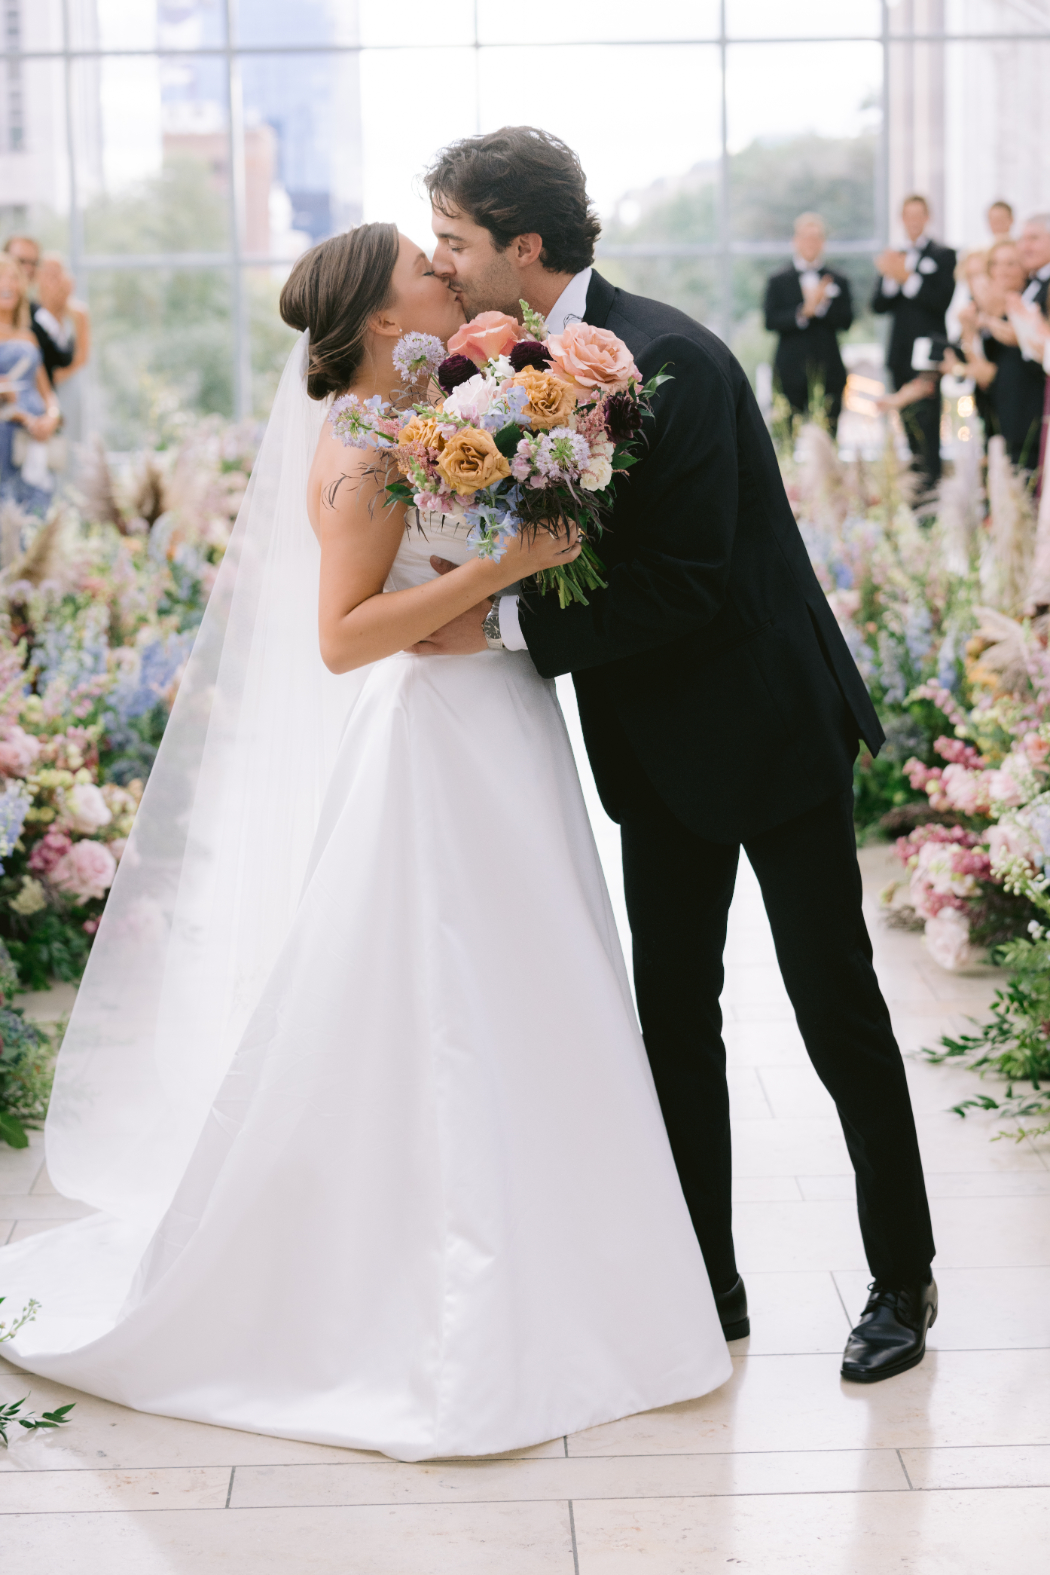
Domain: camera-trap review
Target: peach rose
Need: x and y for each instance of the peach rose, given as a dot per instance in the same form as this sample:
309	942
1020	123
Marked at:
426	433
592	357
487	335
471	460
551	400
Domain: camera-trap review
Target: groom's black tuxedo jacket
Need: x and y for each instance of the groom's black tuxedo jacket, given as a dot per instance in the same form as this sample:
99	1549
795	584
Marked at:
712	663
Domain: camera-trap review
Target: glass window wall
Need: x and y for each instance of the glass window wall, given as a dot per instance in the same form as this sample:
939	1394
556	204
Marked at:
183	152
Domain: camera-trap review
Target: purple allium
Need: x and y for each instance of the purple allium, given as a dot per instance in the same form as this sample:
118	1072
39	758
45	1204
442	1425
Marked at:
417	353
623	417
455	369
529	352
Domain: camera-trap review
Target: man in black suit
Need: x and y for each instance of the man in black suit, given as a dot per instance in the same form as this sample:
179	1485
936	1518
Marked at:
721	708
916	286
808	305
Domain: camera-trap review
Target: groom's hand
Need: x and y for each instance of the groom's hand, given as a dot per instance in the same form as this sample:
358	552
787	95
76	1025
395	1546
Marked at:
464	635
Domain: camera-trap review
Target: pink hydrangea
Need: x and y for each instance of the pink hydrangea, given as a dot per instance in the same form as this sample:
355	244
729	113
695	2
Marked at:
85	872
53	845
967	791
19	752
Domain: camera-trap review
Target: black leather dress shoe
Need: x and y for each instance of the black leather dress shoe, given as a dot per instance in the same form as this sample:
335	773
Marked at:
732	1310
891	1334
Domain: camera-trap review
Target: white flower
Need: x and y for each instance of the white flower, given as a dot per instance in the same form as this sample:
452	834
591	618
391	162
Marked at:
501	368
598	474
30	899
84	808
948	941
471	399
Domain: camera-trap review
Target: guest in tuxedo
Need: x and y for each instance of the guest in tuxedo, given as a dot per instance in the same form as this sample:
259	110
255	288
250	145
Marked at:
916	287
59	322
1033	246
1000	221
808	305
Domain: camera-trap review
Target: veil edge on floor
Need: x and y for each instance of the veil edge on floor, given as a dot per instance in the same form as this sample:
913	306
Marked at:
212	873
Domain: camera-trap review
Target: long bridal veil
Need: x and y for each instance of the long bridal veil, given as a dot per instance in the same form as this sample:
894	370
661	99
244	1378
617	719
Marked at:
209	881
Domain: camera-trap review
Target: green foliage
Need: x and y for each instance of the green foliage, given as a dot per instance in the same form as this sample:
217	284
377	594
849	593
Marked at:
10	1414
1015	1044
27	1057
163	337
27	1315
47	945
770	184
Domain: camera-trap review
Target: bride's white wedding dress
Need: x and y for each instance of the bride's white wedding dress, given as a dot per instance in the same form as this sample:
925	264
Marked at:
432	1210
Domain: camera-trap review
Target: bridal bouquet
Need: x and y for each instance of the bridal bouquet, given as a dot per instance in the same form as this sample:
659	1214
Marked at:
529	434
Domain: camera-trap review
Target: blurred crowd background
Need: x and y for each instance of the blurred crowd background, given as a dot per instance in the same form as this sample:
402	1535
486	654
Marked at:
163	161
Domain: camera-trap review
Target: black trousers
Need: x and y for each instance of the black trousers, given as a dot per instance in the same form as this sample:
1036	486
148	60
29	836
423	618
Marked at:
797	395
922	424
679	887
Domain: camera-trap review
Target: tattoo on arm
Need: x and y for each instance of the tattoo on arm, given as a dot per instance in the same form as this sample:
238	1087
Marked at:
329	493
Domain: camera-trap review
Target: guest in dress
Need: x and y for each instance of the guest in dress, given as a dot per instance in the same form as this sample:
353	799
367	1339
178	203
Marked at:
808	304
29	413
916	287
994	359
60	323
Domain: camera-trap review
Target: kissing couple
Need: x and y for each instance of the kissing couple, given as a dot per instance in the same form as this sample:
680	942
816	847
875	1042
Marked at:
354	1078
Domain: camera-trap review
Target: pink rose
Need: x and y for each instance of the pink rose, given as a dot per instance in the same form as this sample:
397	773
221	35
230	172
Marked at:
86	871
19	752
51	847
592	357
485	336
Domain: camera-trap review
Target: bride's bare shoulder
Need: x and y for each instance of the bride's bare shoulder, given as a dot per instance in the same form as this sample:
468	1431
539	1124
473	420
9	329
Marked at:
343	480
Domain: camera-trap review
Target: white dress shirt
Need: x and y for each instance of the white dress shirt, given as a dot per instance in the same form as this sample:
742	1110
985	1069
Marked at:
913	283
1031	289
568	308
809	279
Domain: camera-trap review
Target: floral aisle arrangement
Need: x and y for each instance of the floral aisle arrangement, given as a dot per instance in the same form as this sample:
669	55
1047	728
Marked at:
949	624
531	431
98	611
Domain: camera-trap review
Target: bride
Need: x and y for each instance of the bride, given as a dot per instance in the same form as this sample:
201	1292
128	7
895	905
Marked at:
354	1078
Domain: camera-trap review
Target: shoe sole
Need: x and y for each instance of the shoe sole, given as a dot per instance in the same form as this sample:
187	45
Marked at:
737	1331
861	1377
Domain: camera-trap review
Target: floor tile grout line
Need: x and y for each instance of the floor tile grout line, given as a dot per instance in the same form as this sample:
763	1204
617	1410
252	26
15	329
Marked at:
842	1299
229	1490
633	1498
565	1444
765	1095
904	1468
575	1550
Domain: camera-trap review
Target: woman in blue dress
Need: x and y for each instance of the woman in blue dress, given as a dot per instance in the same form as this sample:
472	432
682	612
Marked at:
27	401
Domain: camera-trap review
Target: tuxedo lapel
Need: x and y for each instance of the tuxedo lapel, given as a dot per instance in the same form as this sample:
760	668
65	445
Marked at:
600	297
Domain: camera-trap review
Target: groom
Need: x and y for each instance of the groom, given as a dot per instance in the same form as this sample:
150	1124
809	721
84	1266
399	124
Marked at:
721	709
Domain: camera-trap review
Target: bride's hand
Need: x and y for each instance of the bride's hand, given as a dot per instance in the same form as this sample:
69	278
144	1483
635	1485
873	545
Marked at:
534	549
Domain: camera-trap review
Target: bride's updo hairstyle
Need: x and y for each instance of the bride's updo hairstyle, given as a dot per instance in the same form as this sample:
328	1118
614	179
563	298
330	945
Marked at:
334	291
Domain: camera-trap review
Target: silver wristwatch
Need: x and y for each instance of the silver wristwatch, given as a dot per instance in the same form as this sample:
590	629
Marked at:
490	628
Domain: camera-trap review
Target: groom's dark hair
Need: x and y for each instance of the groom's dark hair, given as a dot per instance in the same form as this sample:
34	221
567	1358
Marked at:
519	181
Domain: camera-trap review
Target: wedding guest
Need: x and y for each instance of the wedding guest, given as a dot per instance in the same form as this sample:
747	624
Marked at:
1033	246
916	287
808	304
994	359
63	351
1000	220
29	413
61	317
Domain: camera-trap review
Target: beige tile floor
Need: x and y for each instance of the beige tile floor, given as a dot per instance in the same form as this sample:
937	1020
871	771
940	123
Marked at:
785	1469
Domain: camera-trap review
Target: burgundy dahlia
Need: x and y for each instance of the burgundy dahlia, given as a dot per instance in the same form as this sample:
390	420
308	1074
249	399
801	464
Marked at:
529	352
455	369
623	418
